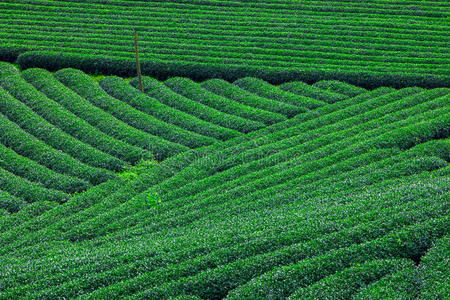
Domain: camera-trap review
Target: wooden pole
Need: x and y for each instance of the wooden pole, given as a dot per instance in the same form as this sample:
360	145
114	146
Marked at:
138	65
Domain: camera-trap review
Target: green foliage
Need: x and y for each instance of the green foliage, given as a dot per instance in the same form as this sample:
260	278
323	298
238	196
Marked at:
98	77
23	143
10	53
343	284
25	117
195	92
89	107
169	97
163	69
341	197
367	44
434	274
120	89
7	69
153	199
264	89
29	169
55	110
144	166
339	87
51	109
140	168
233	92
281	281
10	202
127	176
151	124
130	115
398	285
26	213
26	190
192	91
301	88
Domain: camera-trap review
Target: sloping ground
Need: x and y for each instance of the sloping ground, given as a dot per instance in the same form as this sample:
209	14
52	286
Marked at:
373	44
63	133
347	197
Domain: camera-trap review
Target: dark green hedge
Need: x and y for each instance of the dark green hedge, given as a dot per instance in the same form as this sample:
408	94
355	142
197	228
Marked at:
251	248
283	176
290	178
10	53
201	71
27	232
409	242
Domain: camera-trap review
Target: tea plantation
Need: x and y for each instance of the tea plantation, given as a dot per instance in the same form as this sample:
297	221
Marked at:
367	43
277	150
261	191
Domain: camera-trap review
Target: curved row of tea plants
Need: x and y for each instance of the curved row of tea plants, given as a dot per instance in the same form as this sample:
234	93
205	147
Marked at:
348	198
66	132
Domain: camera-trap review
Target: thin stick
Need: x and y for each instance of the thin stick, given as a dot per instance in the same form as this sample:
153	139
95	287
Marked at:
138	64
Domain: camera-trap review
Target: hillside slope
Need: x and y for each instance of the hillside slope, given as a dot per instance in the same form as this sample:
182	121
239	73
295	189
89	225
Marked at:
65	132
343	193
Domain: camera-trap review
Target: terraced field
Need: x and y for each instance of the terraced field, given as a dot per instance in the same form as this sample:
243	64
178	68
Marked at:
66	132
371	44
210	190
